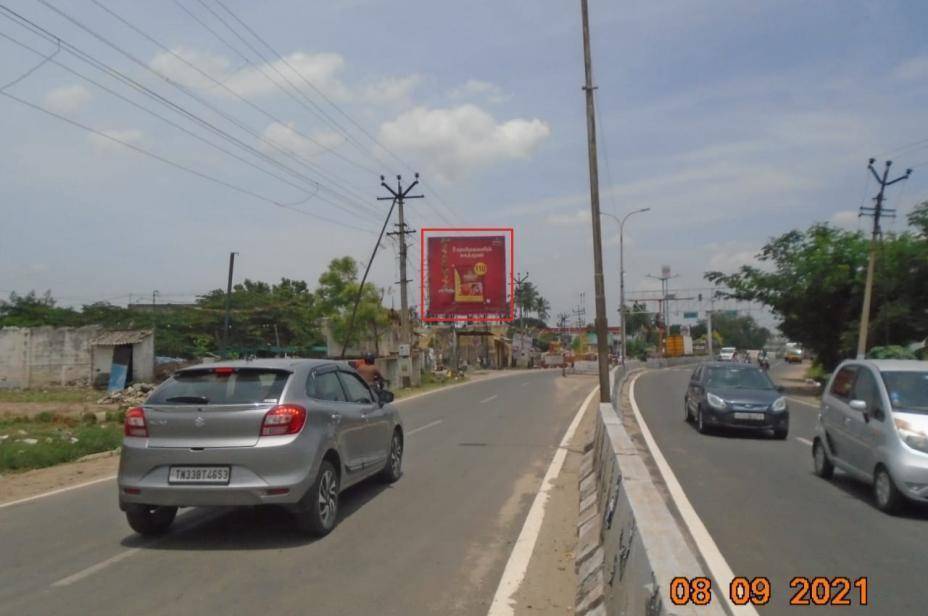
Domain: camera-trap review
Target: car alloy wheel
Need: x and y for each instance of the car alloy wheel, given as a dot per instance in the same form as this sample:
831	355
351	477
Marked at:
328	497
393	469
686	410
396	455
885	493
700	423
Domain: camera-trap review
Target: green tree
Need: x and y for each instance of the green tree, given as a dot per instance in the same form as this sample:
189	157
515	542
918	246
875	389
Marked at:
335	297
813	280
740	331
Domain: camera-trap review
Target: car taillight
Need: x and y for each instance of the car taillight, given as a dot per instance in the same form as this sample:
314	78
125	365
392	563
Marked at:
135	423
283	419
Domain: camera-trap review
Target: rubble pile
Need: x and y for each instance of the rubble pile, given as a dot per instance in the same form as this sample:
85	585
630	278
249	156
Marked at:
133	395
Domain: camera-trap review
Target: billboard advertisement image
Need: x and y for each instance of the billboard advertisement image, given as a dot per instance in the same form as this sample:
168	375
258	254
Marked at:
466	275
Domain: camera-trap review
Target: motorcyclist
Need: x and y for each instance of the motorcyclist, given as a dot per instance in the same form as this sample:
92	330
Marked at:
369	370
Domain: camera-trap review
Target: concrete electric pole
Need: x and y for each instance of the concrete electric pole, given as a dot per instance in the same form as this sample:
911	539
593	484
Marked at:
602	344
876	212
400	195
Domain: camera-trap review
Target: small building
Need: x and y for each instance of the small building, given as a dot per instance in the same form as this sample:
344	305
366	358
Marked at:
134	349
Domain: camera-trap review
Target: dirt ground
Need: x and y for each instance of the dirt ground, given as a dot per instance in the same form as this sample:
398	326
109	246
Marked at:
31	409
550	584
23	485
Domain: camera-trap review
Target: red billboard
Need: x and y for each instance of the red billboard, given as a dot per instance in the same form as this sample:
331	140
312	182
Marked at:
466	275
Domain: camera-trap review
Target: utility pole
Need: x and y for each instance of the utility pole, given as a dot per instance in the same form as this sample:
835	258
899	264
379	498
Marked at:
598	282
665	313
400	195
520	280
154	294
225	325
621	222
876	212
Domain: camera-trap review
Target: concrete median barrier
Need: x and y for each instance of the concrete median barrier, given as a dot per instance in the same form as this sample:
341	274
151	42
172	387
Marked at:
630	545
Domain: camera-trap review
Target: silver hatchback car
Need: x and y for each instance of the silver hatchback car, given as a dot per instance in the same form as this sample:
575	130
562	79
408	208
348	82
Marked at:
292	432
873	425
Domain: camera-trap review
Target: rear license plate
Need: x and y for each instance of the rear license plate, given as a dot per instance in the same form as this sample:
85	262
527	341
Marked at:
216	475
750	416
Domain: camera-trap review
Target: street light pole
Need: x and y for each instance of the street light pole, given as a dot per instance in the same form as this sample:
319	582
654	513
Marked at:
621	222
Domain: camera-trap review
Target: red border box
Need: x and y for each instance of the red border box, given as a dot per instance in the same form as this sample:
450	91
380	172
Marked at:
512	276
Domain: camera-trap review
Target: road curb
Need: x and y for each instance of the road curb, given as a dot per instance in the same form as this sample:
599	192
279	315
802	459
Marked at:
629	545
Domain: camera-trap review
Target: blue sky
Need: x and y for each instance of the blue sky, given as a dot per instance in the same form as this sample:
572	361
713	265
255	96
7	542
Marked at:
733	121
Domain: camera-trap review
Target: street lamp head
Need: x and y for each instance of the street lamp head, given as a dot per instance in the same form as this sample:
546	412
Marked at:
382	178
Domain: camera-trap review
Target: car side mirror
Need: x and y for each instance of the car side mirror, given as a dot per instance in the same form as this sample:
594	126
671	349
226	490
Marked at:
386	396
780	388
858	405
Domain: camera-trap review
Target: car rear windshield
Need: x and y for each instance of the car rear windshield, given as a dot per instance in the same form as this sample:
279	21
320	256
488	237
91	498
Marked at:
908	391
728	349
738	378
217	386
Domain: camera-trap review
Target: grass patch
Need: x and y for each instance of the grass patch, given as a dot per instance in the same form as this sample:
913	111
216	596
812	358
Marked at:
429	382
51	394
28	443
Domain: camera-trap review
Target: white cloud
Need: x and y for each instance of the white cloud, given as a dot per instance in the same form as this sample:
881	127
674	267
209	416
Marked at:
67	99
729	256
287	138
578	217
913	69
391	89
456	140
128	135
845	219
475	88
320	69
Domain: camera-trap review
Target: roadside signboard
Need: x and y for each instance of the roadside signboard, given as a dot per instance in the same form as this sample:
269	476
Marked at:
466	275
691	315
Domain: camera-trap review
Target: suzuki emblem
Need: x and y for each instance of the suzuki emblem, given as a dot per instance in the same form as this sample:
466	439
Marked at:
199	422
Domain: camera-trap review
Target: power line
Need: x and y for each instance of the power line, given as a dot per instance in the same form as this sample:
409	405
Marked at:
177	165
222	85
322	94
302	99
160	98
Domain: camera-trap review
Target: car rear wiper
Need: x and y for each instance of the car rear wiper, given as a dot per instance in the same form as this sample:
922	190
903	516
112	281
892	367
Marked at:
188	399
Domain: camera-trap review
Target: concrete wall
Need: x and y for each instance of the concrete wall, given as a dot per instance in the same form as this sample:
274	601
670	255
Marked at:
40	356
630	545
143	360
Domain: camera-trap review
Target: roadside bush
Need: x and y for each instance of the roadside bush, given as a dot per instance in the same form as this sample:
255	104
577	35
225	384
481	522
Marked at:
45	417
816	372
88	418
116	416
892	351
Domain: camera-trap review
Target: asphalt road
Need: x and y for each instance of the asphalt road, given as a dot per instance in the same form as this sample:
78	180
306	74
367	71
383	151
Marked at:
436	542
771	516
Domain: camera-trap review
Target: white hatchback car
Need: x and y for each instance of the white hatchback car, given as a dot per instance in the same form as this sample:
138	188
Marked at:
874	426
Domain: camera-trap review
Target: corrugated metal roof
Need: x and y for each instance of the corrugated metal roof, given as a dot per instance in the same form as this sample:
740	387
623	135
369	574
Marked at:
125	336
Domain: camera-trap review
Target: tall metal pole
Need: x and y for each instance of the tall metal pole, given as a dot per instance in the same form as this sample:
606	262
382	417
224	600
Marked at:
876	212
225	325
599	285
621	222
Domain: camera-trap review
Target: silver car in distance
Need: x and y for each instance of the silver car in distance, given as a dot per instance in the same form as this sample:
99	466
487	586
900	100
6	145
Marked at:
291	432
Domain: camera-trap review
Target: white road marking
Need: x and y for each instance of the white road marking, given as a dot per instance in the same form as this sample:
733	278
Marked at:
464	384
112	560
103	564
707	547
804	440
521	554
58	491
425	427
493	397
803	402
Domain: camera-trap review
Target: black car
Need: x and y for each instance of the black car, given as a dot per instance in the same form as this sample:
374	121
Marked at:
723	394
